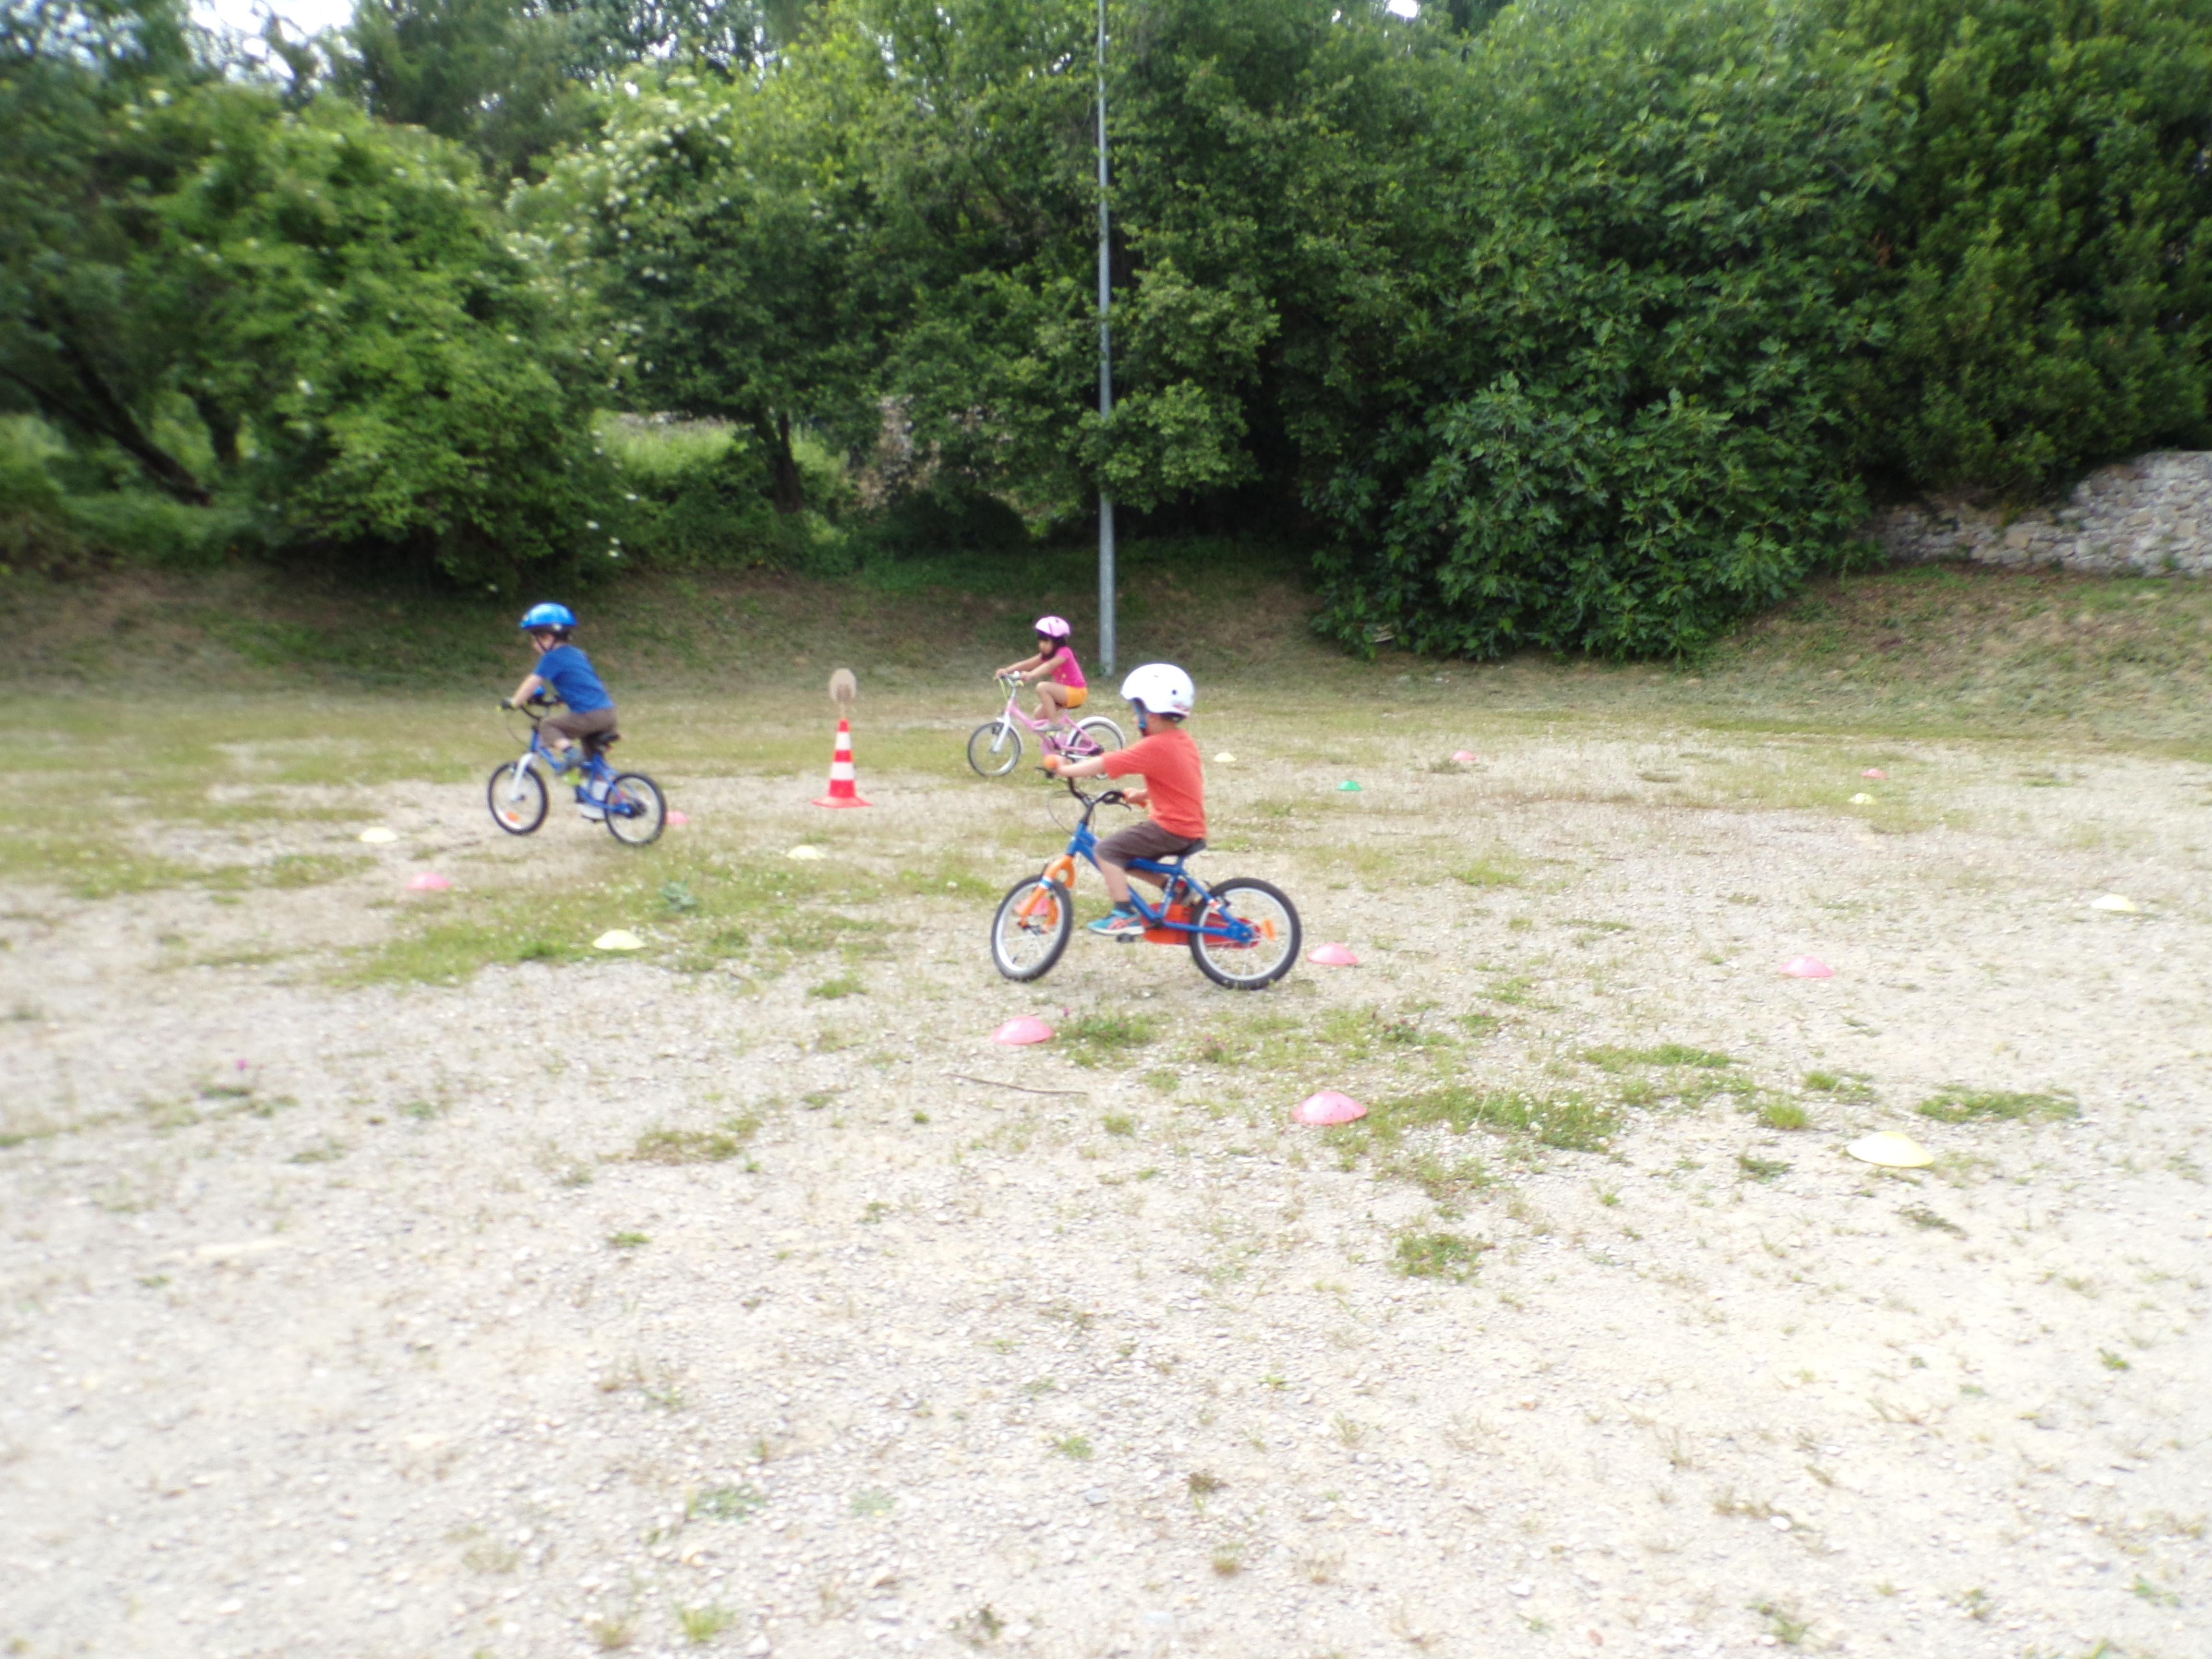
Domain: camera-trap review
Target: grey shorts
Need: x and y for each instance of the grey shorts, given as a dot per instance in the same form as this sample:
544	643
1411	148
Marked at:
1143	840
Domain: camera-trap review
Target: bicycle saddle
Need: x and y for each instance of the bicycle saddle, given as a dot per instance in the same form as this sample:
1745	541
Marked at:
1192	850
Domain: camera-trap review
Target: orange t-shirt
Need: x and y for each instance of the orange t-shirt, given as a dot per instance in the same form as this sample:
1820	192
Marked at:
1169	760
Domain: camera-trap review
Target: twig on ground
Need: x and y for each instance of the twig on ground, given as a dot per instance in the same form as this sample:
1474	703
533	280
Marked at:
993	1083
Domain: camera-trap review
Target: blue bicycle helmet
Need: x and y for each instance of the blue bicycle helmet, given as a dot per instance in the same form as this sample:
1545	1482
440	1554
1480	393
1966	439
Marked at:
548	616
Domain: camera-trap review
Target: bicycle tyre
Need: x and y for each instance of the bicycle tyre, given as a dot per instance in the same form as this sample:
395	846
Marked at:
636	810
1249	967
983	756
1026	948
1099	730
518	803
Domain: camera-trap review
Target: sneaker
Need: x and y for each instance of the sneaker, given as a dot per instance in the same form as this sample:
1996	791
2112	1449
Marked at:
563	760
1119	924
590	811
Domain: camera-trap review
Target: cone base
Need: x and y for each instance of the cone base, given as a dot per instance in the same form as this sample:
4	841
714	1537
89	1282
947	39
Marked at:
849	800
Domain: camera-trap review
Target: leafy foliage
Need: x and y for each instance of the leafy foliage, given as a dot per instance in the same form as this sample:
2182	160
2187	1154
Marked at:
1623	436
406	370
2045	254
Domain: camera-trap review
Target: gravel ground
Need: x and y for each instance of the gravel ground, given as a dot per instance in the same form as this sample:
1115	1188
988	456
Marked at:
347	1319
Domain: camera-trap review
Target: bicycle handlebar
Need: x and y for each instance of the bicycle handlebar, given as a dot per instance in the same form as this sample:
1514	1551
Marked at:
1092	803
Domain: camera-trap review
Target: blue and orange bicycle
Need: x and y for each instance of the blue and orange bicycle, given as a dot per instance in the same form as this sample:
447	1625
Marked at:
1243	934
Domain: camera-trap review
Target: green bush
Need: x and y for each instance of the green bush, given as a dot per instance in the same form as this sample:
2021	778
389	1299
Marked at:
2045	260
950	516
1626	435
155	530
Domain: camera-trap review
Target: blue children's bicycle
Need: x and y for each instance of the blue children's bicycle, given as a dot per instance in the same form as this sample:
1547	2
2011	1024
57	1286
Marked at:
629	803
1243	934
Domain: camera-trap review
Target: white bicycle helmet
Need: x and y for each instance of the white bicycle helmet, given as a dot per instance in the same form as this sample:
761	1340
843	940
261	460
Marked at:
1052	627
1159	688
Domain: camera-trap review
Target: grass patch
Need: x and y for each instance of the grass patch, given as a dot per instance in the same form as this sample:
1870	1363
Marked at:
724	1503
1075	1446
1572	1122
1666	1054
702	1624
1776	1113
833	990
626	1241
1092	1038
1119	1123
1494	871
1437	1256
1765	1170
1956	1103
716	1145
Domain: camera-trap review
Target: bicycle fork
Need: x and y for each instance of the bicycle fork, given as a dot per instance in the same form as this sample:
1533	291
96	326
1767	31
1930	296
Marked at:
1061	871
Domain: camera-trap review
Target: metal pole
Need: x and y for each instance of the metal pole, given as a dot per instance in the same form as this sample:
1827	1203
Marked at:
1105	372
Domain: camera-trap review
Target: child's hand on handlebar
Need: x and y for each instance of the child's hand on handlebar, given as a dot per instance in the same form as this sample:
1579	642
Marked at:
1138	798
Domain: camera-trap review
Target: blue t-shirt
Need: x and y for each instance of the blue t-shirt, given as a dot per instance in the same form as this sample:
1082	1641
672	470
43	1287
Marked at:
570	672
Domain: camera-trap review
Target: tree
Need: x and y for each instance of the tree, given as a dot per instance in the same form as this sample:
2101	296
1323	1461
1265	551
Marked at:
103	106
2046	256
1622	433
501	76
412	379
732	237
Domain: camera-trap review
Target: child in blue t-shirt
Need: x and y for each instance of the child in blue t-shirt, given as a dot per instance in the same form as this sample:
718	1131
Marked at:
588	725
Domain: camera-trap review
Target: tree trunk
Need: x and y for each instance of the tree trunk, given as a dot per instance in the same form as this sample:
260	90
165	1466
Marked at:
221	424
786	489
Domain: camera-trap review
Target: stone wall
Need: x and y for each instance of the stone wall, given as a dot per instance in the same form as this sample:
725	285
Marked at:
2151	516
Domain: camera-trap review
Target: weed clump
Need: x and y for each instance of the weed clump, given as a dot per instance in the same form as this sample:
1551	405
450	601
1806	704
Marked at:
1666	1054
1092	1037
1777	1113
1571	1122
716	1145
1438	1256
1956	1103
1929	1221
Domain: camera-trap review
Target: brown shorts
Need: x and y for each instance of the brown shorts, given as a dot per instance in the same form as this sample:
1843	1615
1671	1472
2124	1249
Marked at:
594	729
1142	840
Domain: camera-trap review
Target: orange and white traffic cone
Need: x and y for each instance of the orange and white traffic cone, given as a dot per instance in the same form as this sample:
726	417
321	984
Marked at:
841	791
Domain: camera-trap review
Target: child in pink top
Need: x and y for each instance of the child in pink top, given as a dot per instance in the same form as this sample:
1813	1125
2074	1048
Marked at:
1053	670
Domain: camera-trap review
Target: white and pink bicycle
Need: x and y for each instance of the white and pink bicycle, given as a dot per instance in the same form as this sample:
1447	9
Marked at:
996	748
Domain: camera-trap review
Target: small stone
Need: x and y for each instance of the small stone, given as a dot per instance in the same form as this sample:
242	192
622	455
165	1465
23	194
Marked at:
1521	1587
1096	1495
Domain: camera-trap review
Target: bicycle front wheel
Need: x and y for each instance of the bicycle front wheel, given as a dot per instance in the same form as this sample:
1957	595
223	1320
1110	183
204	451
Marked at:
995	748
1100	732
636	811
1032	927
516	795
1266	947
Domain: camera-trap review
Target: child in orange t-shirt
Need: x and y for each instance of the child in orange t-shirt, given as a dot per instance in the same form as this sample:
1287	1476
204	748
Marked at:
1174	789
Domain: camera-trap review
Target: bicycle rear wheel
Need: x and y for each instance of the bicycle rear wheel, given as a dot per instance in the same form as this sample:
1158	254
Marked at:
636	811
516	795
1100	731
1270	952
1032	927
995	748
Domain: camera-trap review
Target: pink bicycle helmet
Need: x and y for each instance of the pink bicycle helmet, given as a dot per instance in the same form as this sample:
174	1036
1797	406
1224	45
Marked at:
1053	627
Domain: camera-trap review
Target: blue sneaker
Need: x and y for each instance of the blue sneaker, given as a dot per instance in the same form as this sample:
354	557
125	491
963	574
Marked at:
1121	922
563	760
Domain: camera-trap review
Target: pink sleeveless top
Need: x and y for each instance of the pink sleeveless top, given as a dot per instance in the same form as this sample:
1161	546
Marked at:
1065	670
